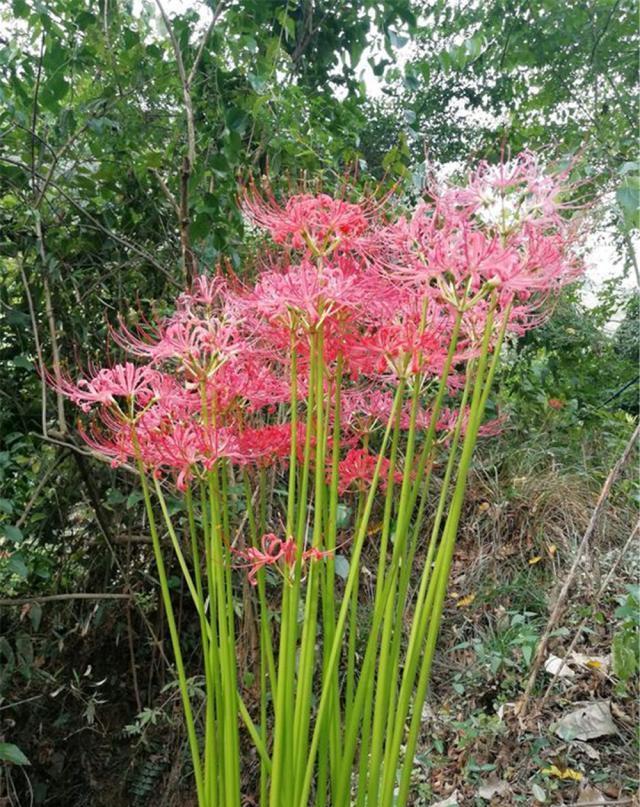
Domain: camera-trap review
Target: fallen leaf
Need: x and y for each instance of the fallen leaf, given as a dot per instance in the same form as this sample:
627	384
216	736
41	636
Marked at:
493	787
554	665
539	793
452	801
464	602
504	707
563	773
591	795
586	749
601	663
427	713
552	549
586	723
533	561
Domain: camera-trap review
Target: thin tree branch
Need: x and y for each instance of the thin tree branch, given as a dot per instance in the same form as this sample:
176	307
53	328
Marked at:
578	631
188	162
167	191
38	346
140	251
61	597
614	473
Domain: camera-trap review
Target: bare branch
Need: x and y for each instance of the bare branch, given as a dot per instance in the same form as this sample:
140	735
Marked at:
182	208
38	346
614	473
61	597
125	242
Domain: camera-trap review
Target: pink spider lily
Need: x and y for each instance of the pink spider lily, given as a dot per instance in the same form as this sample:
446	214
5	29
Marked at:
358	359
278	554
317	223
356	470
109	384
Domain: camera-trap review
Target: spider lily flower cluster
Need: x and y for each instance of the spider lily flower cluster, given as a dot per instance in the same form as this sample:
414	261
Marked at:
354	369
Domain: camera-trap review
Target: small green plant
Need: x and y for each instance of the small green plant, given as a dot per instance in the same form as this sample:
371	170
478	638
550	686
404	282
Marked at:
626	640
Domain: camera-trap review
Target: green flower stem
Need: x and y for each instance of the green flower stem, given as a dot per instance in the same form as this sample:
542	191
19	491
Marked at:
293	455
391	619
302	714
437	592
329	750
215	698
175	641
224	601
210	750
342	616
265	616
281	792
422	610
197	601
365	736
267	663
436	408
255	735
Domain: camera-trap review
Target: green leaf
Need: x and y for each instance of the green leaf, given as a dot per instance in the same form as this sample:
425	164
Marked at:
54	91
220	165
398	40
236	119
342	566
23	362
11	753
17	565
6	506
538	793
12	533
258	83
343	516
133	499
20	8
628	197
35	615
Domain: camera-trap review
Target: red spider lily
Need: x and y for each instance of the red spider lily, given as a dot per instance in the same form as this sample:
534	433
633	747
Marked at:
318	223
109	384
277	553
206	290
357	470
200	345
263	446
314	294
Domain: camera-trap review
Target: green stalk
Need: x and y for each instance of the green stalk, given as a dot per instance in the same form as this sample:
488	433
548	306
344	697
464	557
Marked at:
302	712
210	752
352	628
329	751
282	778
475	421
436	408
197	601
382	561
217	698
436	595
385	665
291	499
267	663
265	617
175	641
342	616
224	599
